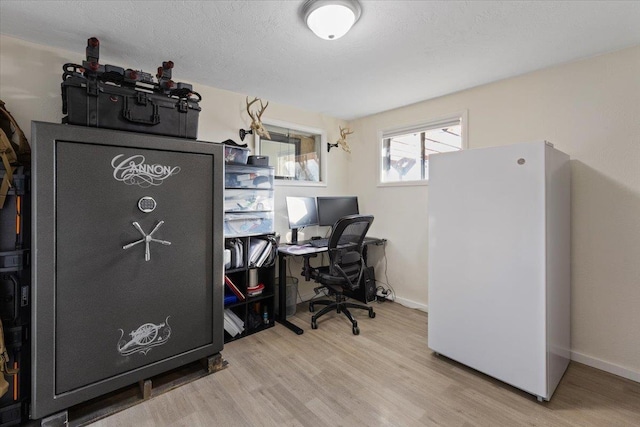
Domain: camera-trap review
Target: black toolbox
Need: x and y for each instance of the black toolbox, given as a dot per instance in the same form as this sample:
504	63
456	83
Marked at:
108	96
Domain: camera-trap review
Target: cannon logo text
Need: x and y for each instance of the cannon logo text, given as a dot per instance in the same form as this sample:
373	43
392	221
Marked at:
134	171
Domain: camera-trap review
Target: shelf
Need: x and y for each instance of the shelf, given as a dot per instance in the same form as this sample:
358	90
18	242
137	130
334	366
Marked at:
235	304
249	213
260	297
228	338
250	310
260	328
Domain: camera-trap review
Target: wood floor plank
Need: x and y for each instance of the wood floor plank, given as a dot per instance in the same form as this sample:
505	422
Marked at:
385	376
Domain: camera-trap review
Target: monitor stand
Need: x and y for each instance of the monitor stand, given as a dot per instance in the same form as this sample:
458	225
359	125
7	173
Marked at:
294	236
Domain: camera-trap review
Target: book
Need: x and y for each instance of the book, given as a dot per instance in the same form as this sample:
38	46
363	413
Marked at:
230	327
235	246
234	288
232	323
256	248
230	299
265	255
239	248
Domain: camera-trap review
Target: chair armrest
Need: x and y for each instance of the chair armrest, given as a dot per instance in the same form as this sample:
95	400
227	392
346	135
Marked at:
306	269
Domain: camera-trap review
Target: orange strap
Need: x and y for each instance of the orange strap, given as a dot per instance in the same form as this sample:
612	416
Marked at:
15	381
18	214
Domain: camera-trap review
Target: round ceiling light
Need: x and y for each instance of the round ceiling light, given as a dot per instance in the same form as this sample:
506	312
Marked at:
331	19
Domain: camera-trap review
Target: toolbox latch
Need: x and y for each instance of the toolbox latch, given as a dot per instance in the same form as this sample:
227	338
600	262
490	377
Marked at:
140	109
141	98
92	86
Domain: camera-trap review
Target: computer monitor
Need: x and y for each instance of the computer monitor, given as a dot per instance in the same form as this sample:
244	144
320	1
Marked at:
302	212
331	209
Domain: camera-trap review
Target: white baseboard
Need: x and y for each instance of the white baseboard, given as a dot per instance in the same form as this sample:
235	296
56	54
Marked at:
412	304
403	301
605	366
576	356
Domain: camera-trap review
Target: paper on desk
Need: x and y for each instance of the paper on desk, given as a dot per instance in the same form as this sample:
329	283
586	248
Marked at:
301	249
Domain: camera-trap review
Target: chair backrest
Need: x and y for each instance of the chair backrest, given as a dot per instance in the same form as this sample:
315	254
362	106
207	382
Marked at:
346	245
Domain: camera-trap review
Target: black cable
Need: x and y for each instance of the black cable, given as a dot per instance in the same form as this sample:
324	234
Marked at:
388	292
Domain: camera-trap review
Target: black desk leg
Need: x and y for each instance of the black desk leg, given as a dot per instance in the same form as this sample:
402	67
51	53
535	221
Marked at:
282	296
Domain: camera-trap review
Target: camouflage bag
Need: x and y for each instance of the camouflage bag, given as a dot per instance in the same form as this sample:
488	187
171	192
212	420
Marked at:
14	149
4	367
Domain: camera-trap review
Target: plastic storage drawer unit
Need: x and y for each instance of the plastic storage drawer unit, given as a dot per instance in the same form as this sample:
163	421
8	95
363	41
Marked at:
247	224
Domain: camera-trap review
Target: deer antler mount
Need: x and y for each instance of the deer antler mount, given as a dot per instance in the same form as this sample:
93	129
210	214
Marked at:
256	120
342	142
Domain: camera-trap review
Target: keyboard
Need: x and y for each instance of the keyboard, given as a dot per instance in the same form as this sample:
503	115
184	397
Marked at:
322	243
319	243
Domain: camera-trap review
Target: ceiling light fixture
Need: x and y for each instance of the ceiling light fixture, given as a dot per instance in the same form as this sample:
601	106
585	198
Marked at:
331	19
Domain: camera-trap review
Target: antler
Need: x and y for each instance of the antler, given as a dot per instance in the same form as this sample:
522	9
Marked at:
343	139
249	104
262	108
256	121
344	132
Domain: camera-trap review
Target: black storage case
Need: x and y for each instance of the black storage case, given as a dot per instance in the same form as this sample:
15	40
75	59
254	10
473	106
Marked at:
105	105
108	96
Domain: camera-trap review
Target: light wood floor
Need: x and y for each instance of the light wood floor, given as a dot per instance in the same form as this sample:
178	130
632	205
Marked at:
384	376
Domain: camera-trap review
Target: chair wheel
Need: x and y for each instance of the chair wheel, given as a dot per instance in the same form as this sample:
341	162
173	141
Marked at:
311	308
356	330
372	313
314	324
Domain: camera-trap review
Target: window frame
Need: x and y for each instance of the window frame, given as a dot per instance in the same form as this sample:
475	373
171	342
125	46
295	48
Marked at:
323	156
386	133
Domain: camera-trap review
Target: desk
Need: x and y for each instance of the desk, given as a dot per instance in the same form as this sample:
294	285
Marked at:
302	250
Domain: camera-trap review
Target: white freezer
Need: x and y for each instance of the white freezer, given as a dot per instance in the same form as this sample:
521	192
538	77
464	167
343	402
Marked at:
499	262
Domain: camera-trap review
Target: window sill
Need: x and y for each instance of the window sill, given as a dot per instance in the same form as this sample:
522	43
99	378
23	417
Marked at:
424	183
293	183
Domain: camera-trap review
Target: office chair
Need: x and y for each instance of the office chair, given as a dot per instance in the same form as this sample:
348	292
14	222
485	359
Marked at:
345	269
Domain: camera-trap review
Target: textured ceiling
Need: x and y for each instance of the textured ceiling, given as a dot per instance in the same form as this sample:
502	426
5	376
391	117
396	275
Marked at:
399	53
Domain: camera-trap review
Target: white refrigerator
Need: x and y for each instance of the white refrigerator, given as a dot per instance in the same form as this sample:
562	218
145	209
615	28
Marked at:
499	262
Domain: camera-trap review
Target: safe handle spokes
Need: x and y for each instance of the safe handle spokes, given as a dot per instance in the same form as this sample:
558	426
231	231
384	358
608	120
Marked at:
146	238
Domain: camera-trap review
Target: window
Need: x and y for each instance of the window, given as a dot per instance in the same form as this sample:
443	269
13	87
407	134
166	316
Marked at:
295	153
405	151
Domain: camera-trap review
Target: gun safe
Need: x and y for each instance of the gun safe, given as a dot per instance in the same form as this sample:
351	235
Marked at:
127	265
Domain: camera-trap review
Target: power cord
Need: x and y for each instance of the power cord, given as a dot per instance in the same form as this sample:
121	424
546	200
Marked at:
383	294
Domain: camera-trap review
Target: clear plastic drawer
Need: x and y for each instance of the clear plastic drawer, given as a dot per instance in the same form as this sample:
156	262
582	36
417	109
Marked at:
248	223
248	177
248	200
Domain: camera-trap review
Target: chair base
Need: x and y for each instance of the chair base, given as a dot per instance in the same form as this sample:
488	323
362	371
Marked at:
340	305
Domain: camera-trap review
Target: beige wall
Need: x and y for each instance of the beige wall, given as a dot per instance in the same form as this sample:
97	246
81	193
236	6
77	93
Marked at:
30	77
588	109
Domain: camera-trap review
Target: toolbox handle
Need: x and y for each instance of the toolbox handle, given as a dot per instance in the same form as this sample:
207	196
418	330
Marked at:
127	111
